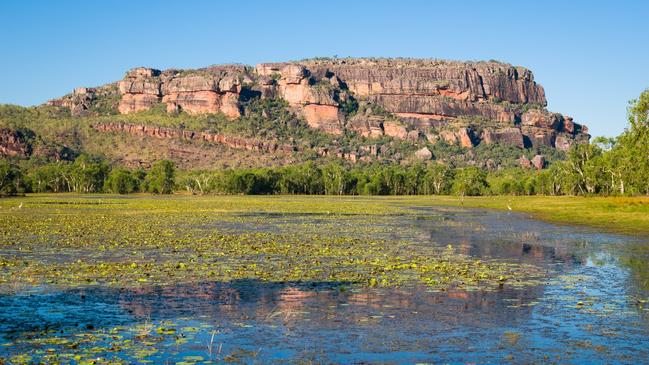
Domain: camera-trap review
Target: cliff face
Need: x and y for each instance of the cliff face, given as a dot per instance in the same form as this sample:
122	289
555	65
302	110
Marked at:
13	143
465	103
365	153
211	90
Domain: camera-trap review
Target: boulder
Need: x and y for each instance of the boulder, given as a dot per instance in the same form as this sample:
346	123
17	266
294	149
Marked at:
370	127
563	142
424	154
432	138
448	137
465	136
413	135
538	162
323	117
395	130
507	136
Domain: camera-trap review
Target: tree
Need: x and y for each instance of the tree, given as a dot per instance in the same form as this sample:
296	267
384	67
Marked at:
438	179
201	182
336	179
415	179
10	178
50	177
86	174
632	148
301	179
122	181
470	181
160	179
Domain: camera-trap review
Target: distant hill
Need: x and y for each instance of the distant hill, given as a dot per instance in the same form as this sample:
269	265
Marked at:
486	114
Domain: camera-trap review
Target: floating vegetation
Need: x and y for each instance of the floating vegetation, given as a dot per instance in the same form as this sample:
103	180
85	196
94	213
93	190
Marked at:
140	343
150	241
74	244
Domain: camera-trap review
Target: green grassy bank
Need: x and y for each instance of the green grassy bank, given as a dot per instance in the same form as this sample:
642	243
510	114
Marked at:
626	215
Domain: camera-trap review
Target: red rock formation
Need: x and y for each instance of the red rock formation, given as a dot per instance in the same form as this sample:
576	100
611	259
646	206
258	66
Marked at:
541	119
424	97
163	132
525	162
465	137
468	81
538	162
429	94
324	117
395	130
424	107
563	142
80	101
205	93
13	144
211	90
508	136
249	144
140	90
314	99
371	127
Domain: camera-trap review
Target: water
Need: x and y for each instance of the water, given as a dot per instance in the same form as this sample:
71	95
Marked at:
590	309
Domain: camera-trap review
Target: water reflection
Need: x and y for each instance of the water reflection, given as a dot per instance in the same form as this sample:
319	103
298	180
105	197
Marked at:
590	310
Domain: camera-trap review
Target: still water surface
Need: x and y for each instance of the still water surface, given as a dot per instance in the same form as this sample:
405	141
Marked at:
590	308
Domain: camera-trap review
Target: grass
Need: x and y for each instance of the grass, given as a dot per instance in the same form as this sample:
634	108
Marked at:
625	215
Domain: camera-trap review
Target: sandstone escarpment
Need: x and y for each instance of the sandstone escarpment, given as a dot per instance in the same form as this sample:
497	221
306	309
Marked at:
316	99
89	100
164	132
210	90
463	103
364	153
431	98
466	81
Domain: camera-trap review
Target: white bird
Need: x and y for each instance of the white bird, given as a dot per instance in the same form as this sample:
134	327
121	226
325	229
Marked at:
21	205
508	207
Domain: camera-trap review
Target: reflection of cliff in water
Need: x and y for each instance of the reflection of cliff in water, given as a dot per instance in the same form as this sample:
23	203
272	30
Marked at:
322	301
311	305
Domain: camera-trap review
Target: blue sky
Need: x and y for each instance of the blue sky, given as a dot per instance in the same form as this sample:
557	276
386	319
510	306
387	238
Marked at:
591	56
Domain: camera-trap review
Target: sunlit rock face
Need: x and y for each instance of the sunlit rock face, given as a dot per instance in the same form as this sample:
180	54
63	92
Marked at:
211	90
492	102
463	103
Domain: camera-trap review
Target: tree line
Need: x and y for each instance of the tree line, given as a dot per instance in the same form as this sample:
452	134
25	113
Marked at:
86	174
606	166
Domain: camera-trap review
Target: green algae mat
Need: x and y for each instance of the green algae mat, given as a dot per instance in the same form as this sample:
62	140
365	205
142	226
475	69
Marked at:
64	240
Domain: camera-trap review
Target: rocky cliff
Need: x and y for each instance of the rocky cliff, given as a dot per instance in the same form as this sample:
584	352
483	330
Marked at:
14	143
417	101
459	102
210	90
